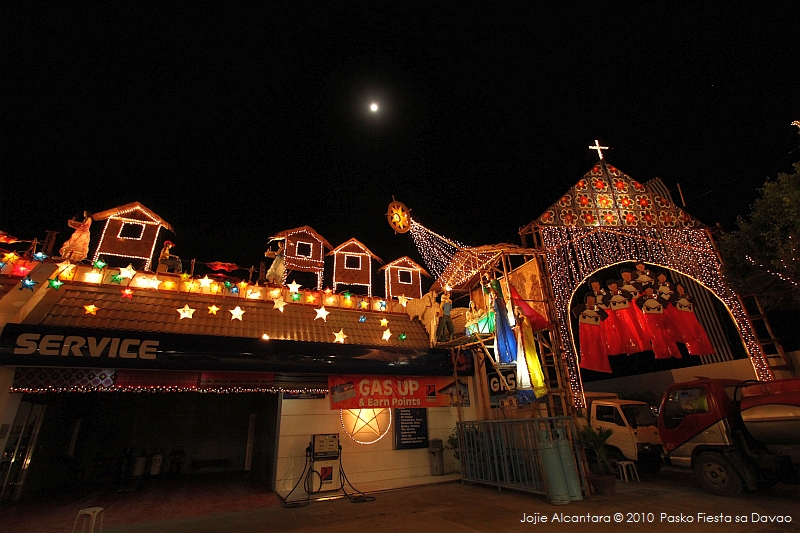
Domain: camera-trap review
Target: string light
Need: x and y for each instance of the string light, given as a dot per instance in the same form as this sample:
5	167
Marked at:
387	333
437	251
340	336
153	389
186	312
212	309
236	313
353	249
322	313
127	293
116	214
90	309
306	263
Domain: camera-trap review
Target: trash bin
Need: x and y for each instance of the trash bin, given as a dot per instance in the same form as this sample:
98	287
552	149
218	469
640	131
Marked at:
436	450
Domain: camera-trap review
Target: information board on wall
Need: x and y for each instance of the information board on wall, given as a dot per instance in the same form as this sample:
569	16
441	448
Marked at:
370	392
410	428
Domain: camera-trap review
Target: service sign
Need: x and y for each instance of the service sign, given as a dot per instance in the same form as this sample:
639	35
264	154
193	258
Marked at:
363	392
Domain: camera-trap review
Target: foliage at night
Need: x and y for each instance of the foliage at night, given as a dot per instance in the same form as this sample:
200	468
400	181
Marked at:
762	255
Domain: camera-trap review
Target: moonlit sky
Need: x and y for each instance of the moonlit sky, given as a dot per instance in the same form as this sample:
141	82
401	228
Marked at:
235	123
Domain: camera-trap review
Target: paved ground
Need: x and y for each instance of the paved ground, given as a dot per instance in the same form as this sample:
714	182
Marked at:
454	507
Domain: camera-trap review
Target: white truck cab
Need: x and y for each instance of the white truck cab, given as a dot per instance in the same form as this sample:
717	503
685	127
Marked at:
635	428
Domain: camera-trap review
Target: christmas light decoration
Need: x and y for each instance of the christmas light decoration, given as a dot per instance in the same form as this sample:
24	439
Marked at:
127	272
322	313
296	296
398	216
214	288
28	283
234	289
366	426
362	319
10	257
340	336
91	309
116	278
402	336
95	276
20	269
185	276
386	334
205	282
311	298
403	301
253	293
127	293
54	283
384	322
352	265
186	312
212	309
294	286
236	313
169	285
364	304
66	270
118	214
40	256
279	304
382	305
437	251
274	293
598	148
148	282
190	285
2	265
265	337
99	264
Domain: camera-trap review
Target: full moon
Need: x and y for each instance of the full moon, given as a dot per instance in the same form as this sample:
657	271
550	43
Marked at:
373	107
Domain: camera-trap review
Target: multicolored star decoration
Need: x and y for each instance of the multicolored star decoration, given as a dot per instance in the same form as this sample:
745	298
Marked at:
40	256
91	309
127	272
294	286
382	305
28	283
117	278
20	269
340	336
212	309
384	322
186	312
99	264
402	336
387	334
322	313
205	282
10	257
279	303
127	293
362	319
403	300
364	304
54	283
236	313
295	296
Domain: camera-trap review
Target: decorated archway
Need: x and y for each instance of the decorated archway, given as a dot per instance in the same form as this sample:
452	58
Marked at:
609	218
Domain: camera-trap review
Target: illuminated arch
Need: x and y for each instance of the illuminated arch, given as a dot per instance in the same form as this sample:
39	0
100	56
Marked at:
573	254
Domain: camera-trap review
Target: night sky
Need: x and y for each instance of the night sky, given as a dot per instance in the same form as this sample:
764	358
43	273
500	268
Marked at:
235	123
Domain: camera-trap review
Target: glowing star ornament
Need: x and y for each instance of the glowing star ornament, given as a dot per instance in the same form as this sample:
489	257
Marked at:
386	334
322	313
340	336
20	270
127	272
10	257
364	304
127	293
212	309
403	300
205	282
382	305
99	264
116	278
66	270
54	283
186	312
384	322
402	336
294	286
279	304
295	296
95	276
253	294
91	309
311	298
236	313
40	256
149	282
28	283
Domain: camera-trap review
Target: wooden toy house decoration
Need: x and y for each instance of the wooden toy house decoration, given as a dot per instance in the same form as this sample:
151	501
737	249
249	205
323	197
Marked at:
403	278
304	251
131	231
352	265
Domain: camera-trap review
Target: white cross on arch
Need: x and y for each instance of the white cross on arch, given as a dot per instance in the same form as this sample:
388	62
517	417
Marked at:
598	148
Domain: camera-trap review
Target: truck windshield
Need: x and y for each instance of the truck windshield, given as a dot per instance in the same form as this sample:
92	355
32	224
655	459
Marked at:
639	415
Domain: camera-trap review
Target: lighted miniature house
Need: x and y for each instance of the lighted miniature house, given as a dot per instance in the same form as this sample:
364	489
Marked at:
131	231
304	251
352	265
403	278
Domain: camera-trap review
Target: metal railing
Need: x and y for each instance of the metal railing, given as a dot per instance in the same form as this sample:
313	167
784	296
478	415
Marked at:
506	453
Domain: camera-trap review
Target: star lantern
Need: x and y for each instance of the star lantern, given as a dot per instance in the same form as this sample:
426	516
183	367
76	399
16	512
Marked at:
10	257
186	312
127	272
28	283
99	264
236	313
362	319
40	256
234	289
20	269
403	300
212	309
340	336
295	296
254	294
274	293
311	298
382	305
402	336
116	278
190	285
384	322
66	270
169	285
2	265
91	309
54	283
294	286
205	282
279	304
386	334
364	304
322	313
127	293
185	276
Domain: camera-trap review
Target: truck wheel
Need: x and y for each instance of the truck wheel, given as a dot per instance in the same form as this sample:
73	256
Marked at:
716	474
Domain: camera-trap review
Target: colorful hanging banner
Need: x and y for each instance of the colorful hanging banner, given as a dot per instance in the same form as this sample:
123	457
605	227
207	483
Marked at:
364	392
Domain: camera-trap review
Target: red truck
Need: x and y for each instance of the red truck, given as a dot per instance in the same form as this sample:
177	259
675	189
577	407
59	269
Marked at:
733	434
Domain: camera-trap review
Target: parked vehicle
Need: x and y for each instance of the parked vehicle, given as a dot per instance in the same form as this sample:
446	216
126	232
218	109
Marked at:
635	436
733	434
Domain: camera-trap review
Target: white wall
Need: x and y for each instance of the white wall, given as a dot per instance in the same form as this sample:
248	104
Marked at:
377	464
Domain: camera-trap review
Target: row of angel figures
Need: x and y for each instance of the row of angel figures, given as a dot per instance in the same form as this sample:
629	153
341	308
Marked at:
642	311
